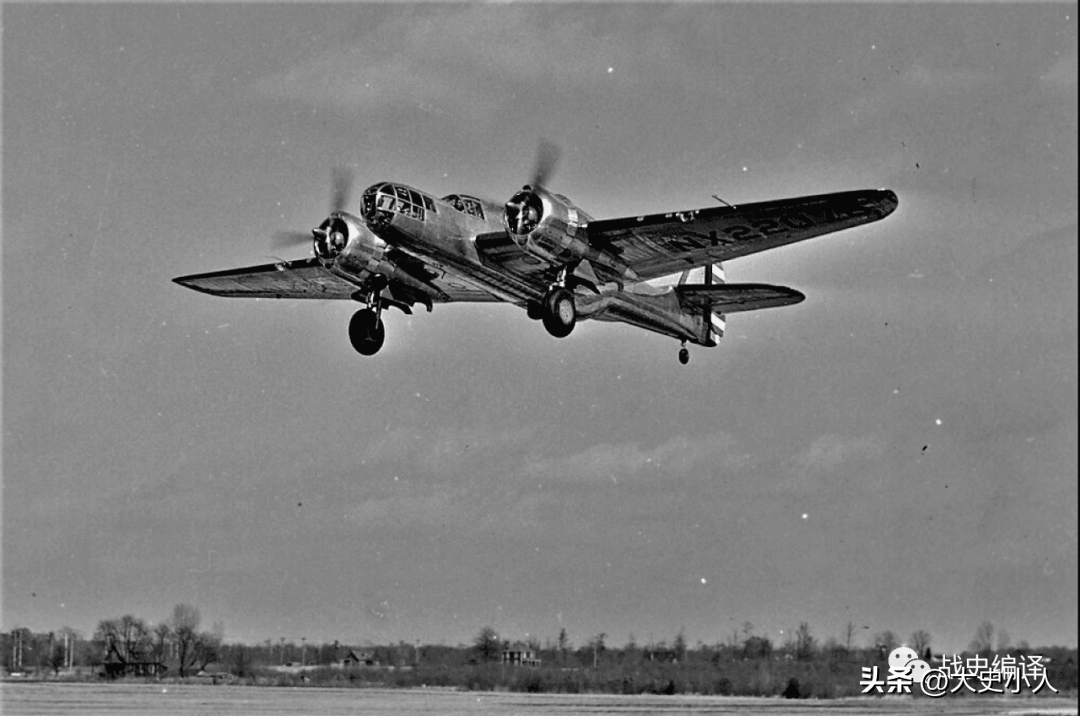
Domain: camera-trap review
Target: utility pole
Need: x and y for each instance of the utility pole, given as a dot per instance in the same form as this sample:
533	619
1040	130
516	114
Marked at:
303	650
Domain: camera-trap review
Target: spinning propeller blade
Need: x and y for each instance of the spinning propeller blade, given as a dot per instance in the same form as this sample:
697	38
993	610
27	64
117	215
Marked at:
340	190
342	187
547	157
284	239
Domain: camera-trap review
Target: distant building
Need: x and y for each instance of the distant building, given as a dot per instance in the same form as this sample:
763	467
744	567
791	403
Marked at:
363	658
518	654
116	666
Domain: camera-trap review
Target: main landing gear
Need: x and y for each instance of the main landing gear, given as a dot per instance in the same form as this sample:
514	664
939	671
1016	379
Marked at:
366	330
684	354
559	313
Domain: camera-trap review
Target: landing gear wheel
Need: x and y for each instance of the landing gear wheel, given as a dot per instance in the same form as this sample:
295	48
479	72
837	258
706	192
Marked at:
366	332
560	315
684	356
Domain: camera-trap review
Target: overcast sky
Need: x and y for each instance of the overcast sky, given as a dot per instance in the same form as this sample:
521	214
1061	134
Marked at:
899	450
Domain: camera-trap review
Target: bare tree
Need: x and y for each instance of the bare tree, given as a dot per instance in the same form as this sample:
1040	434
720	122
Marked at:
185	628
680	646
127	637
885	642
757	647
804	642
564	644
984	639
208	645
920	642
1003	640
598	647
486	644
849	635
58	657
162	632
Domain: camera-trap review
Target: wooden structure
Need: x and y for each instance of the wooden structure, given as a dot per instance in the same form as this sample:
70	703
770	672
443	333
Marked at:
519	654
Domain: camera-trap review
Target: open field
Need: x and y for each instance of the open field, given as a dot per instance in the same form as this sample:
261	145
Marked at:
34	699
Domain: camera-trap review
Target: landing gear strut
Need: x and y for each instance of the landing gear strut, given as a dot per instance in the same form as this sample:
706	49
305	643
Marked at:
684	354
559	312
366	330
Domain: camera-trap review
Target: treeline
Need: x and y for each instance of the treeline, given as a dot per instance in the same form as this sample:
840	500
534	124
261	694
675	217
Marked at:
746	663
125	644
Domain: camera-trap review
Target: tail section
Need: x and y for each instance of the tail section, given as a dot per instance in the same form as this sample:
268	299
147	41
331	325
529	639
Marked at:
708	275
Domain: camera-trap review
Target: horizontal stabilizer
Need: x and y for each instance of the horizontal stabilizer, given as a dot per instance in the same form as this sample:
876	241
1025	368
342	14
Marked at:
736	297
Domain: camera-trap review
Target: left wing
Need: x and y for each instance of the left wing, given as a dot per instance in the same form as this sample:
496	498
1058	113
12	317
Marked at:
663	244
305	278
308	278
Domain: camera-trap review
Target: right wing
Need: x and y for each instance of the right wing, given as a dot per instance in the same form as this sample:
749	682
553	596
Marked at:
662	244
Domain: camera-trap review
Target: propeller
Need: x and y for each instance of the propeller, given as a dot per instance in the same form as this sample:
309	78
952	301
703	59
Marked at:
285	239
547	157
342	187
523	212
340	190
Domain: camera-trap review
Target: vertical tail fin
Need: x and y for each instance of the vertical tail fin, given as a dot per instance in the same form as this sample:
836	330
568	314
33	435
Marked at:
708	275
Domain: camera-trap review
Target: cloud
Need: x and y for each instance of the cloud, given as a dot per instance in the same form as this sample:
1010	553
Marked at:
411	506
679	456
923	76
447	450
830	463
1062	75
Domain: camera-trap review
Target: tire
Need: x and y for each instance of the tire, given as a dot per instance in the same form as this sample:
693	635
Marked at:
366	332
560	314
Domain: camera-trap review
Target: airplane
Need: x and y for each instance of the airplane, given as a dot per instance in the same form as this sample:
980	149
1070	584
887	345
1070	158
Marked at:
540	251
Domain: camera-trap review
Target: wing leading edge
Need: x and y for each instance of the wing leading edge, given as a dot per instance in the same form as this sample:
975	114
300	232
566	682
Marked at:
304	278
661	244
308	278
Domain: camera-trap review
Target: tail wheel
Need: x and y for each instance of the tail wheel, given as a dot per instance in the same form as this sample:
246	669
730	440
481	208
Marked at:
366	332
560	315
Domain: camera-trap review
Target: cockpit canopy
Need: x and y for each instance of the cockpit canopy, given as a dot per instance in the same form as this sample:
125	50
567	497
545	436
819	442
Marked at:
465	204
397	199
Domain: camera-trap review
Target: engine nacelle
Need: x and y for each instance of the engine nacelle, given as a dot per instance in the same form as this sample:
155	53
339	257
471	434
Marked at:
346	246
551	228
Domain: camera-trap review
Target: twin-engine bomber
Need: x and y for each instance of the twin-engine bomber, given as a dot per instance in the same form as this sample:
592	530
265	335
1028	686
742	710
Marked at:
661	272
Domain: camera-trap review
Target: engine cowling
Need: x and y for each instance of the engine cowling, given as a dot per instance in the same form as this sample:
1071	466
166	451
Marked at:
551	228
333	235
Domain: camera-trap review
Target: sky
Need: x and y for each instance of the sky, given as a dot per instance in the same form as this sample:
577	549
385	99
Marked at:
898	451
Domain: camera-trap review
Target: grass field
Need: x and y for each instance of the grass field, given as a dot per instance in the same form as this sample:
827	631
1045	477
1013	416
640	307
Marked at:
51	698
